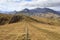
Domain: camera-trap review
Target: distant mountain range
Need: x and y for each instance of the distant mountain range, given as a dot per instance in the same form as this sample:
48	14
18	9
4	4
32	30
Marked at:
39	10
36	10
42	12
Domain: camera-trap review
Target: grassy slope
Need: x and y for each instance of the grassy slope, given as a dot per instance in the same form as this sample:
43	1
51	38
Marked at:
37	31
50	21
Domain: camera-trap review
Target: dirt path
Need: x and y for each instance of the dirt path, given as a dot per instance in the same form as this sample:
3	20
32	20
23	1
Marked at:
29	31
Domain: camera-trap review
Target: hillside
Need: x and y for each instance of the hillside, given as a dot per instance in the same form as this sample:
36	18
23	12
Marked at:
10	18
25	27
29	30
43	18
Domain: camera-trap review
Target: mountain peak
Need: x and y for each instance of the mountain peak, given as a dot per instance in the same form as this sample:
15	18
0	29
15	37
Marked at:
26	9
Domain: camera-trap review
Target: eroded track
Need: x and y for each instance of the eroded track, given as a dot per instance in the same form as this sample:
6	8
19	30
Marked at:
29	31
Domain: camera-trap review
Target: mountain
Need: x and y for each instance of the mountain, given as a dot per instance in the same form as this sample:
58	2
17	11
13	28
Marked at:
39	10
44	12
33	11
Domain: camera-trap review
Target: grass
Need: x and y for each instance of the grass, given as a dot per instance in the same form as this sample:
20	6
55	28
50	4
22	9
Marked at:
39	28
50	21
9	18
48	33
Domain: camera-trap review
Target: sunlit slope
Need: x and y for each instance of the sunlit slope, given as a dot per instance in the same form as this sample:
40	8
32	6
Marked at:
11	31
50	21
36	31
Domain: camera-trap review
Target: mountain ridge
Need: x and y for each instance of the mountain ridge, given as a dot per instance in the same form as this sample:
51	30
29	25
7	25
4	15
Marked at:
34	11
39	10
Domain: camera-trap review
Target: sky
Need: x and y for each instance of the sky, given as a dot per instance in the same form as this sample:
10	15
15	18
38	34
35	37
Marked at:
12	5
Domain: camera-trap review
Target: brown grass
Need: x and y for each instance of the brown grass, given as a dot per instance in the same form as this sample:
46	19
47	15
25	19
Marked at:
50	21
36	31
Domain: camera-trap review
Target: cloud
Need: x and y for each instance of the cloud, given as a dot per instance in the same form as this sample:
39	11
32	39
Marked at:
10	5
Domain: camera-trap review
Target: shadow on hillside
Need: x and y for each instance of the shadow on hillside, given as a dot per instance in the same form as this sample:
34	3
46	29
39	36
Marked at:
18	18
15	19
3	20
10	19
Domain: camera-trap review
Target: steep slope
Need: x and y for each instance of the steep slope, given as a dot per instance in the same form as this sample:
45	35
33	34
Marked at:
10	18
